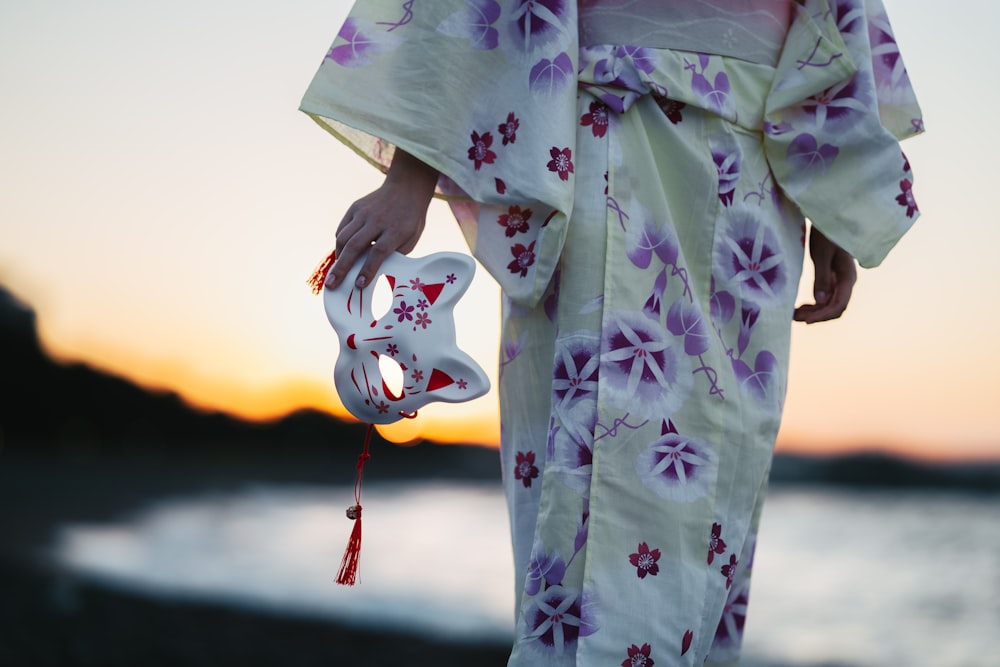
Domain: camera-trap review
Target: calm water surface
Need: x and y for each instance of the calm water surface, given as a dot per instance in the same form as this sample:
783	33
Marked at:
841	578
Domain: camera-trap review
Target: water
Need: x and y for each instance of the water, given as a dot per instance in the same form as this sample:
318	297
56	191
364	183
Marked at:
841	578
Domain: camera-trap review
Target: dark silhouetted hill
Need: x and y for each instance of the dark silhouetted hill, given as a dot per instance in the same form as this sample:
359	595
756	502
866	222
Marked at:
74	411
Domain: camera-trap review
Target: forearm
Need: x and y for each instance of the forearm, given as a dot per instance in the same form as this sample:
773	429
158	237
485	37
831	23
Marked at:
408	170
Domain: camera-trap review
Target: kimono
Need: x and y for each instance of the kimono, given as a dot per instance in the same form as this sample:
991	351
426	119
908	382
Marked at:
637	181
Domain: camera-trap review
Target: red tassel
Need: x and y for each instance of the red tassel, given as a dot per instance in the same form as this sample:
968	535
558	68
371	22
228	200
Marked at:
349	564
318	276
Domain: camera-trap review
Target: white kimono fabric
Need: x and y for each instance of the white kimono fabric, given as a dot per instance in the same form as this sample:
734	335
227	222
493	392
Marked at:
640	198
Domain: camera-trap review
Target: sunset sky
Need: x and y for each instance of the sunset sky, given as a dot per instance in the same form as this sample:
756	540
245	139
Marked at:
163	202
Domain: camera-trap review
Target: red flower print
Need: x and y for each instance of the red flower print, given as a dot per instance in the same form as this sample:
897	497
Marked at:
670	108
509	129
686	641
480	151
906	198
523	258
729	570
423	319
561	162
716	545
501	186
638	657
525	468
644	561
515	220
596	118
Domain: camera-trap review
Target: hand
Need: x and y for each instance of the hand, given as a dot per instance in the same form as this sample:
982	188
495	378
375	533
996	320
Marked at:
834	281
389	219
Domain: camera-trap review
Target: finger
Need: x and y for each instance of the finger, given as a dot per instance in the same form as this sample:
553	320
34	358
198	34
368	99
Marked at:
377	254
347	255
821	251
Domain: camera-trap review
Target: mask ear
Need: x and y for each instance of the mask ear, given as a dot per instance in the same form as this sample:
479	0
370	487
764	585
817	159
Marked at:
418	333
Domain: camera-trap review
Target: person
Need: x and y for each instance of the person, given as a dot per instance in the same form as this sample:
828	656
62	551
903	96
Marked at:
636	175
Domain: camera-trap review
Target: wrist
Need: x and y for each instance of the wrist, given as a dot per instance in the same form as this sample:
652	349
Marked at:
407	169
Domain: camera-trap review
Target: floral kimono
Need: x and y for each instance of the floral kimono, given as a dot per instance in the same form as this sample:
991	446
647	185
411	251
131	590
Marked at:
637	181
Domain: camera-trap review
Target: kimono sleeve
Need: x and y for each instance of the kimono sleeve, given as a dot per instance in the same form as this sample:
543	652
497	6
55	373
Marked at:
840	105
482	91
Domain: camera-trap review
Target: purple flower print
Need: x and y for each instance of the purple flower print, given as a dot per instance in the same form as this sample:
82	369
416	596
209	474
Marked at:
561	162
646	236
638	656
645	60
451	278
508	129
715	94
749	314
906	199
729	632
536	21
525	468
544	569
515	220
392	349
474	24
716	545
555	619
480	152
806	154
887	64
761	380
576	370
643	369
547	77
837	106
644	561
596	118
423	319
572	444
677	468
363	39
417	375
684	319
850	16
723	305
727	165
403	311
750	258
524	257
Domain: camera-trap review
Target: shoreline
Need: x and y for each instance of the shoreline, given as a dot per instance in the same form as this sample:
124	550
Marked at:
51	616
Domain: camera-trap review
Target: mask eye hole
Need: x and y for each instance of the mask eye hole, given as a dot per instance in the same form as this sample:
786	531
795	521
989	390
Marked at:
392	375
381	296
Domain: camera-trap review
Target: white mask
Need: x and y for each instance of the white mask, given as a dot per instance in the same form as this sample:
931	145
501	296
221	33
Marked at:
417	332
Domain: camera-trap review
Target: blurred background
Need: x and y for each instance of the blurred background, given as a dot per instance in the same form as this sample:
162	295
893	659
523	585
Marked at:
174	462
